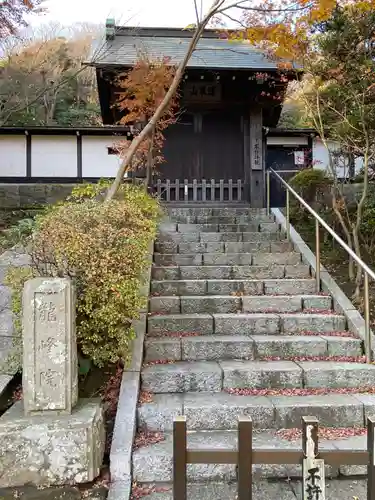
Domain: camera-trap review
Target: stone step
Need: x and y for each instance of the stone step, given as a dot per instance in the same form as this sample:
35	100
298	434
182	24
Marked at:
230	303
245	323
231	272
219	237
216	491
210	219
215	211
222	247
224	347
205	376
208	376
209	227
153	463
227	259
221	411
302	374
228	287
262	489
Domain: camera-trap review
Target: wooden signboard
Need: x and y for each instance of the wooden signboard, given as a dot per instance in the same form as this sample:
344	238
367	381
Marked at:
313	479
256	141
202	92
312	467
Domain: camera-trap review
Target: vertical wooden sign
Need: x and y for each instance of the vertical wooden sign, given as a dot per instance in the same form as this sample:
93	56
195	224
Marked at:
312	467
257	180
256	140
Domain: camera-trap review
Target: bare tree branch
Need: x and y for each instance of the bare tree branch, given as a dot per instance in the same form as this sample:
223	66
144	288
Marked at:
196	12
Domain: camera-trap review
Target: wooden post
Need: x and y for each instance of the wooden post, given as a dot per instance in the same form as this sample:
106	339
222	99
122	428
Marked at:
312	468
239	190
177	190
371	462
245	462
230	189
213	189
179	458
221	189
204	190
159	188
195	190
168	189
186	190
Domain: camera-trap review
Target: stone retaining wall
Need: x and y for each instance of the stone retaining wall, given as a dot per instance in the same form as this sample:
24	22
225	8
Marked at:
28	195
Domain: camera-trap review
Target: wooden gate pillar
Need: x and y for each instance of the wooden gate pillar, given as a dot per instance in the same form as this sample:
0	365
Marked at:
257	159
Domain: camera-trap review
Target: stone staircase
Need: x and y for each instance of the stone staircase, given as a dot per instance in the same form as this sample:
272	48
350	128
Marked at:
236	328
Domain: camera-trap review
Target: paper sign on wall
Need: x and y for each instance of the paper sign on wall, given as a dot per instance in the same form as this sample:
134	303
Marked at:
299	157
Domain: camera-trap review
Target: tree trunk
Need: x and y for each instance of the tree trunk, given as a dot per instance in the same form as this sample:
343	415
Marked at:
357	225
150	159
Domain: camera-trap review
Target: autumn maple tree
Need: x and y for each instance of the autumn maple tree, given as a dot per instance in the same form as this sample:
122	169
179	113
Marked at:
140	92
280	27
338	95
12	14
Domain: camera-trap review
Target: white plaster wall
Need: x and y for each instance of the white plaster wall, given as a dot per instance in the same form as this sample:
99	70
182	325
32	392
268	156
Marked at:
287	141
12	156
321	158
96	162
53	156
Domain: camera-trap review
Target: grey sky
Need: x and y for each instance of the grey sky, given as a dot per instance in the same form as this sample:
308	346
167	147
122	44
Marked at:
132	12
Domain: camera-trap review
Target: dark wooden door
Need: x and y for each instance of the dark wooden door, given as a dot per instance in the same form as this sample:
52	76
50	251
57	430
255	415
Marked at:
180	151
280	158
221	145
204	145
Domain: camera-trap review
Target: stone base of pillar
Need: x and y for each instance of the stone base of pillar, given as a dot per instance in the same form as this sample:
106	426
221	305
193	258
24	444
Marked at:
47	450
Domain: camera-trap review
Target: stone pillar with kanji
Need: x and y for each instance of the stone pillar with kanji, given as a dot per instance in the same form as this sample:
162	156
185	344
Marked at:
51	437
50	377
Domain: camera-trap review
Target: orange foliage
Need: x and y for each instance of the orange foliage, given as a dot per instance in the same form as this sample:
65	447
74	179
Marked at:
142	89
12	15
285	26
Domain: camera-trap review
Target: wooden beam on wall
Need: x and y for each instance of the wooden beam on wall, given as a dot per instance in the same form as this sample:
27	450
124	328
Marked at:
79	155
28	154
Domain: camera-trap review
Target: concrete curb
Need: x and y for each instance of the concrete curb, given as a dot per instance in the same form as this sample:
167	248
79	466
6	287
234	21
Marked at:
342	304
125	423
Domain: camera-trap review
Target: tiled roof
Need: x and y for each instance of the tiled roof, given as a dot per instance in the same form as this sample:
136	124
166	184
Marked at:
211	52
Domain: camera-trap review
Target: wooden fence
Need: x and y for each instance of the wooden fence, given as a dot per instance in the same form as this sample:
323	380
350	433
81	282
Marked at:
311	459
202	190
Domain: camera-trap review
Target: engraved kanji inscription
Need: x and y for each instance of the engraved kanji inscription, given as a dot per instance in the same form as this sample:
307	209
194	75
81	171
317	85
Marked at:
48	344
47	311
50	378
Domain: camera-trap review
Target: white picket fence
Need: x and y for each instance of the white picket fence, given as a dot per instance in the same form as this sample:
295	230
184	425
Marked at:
202	190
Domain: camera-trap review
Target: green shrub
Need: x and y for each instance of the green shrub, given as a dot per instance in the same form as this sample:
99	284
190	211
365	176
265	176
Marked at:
310	183
104	248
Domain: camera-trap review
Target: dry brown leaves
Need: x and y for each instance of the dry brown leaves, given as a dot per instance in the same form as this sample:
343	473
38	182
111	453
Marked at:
143	491
330	433
159	362
318	311
325	334
146	438
342	359
299	392
179	335
145	397
17	394
111	390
